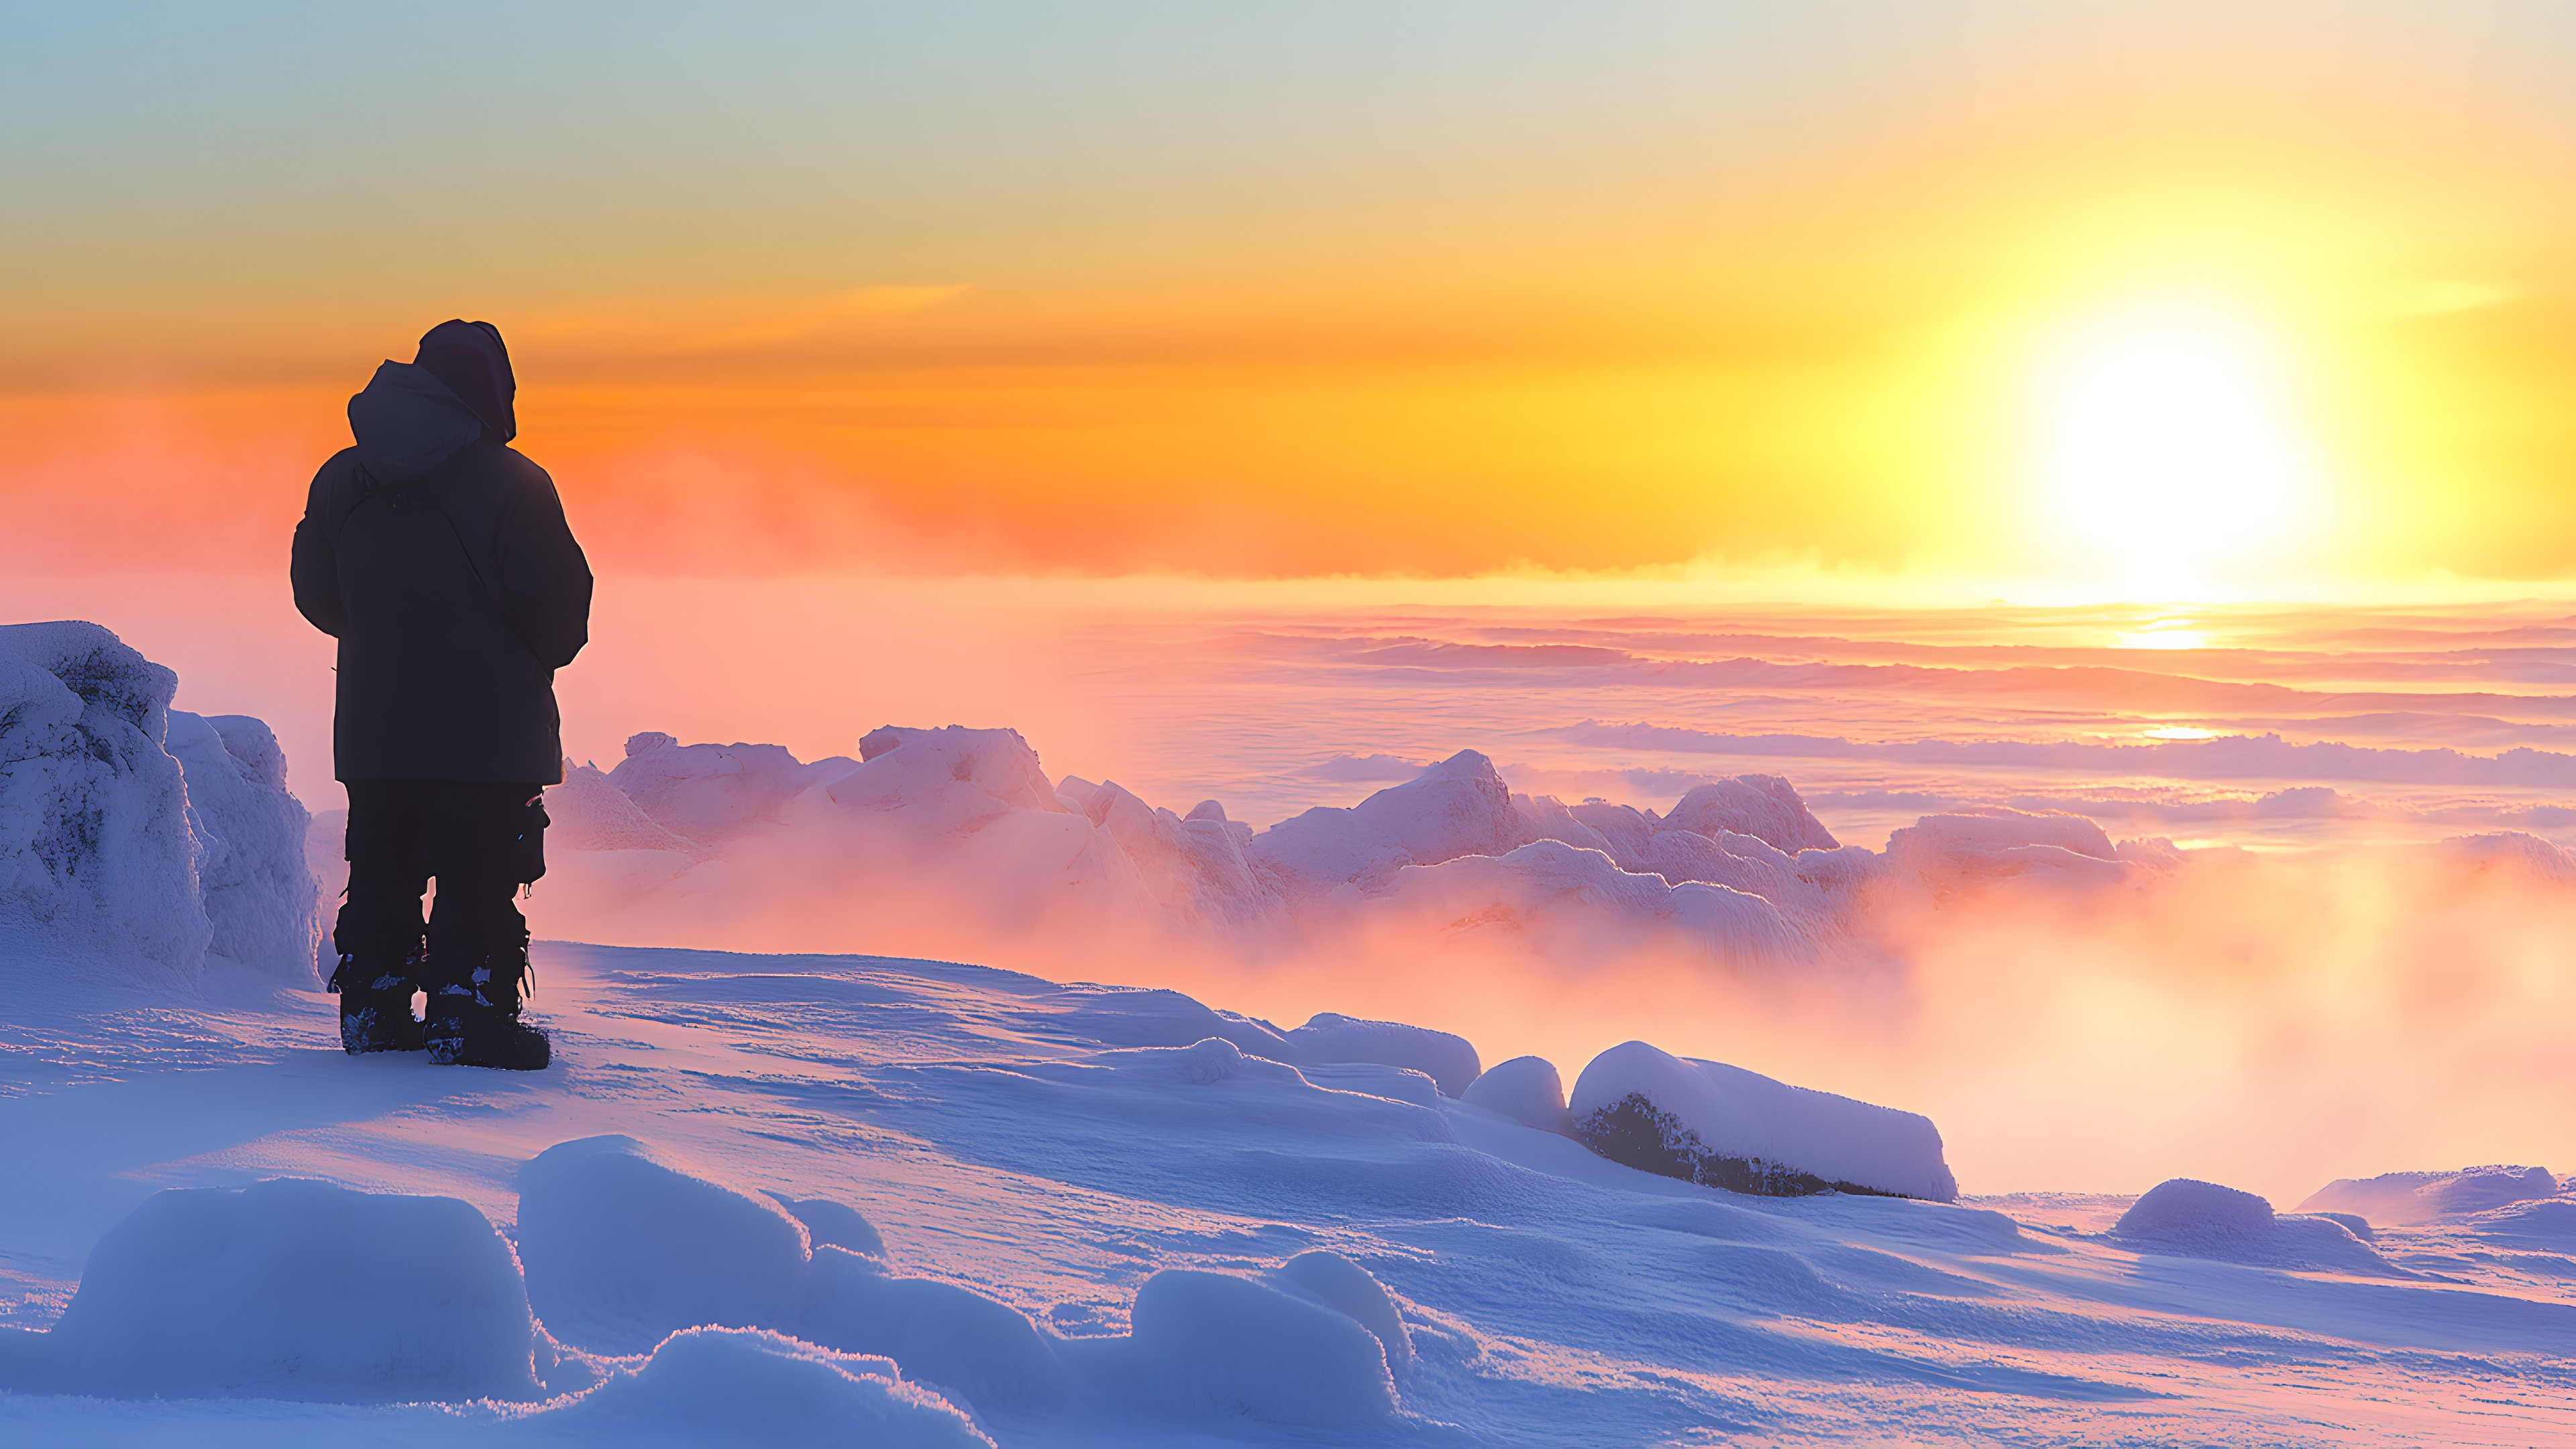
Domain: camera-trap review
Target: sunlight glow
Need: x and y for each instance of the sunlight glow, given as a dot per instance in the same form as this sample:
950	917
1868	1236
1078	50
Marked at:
2166	449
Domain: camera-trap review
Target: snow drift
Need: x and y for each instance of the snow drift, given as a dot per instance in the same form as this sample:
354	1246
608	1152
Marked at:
293	1290
2402	1198
1720	1125
2189	1218
712	1385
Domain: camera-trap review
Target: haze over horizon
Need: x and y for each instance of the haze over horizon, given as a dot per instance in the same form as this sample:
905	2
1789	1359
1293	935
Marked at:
1418	290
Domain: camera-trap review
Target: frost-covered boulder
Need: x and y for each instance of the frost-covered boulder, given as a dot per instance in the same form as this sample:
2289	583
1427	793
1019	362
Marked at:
2399	1198
94	835
1525	1089
1724	1126
1218	1345
623	1246
1765	807
1456	808
2185	1217
295	1290
1996	843
260	896
739	1386
1448	1060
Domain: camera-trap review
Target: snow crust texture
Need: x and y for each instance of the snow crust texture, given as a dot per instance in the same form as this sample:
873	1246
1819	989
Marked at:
1724	1126
138	833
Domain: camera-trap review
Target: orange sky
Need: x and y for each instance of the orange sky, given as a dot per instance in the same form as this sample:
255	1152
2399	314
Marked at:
1398	289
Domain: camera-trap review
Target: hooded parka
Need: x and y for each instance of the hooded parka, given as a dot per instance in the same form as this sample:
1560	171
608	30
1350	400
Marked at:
440	559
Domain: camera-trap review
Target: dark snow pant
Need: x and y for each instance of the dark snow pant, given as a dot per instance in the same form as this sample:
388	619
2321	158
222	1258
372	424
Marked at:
479	840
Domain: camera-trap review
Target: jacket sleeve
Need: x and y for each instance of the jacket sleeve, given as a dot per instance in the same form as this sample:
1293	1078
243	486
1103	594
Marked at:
314	566
545	579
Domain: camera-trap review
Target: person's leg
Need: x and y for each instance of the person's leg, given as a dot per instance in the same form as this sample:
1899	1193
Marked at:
378	934
478	941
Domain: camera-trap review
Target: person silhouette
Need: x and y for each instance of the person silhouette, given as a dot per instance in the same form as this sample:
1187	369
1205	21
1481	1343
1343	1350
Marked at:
441	560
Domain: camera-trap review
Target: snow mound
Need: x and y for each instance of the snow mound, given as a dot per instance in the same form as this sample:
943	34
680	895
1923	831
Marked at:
1525	1089
588	812
623	1247
2397	1199
976	1347
712	793
292	1289
1447	1060
1550	886
1261	1348
1455	808
1354	1292
260	896
2185	1217
1996	843
1765	807
718	1385
1711	1123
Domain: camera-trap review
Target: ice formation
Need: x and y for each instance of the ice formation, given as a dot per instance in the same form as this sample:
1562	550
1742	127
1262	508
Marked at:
2420	1197
2189	1218
1727	1127
148	833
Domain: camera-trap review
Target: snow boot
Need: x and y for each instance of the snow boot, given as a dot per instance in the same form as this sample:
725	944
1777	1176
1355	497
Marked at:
375	1007
474	1020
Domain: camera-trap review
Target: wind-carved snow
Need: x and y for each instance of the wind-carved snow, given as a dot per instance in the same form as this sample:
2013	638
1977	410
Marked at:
145	833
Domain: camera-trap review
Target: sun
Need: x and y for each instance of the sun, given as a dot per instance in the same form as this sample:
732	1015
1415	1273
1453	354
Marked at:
2167	450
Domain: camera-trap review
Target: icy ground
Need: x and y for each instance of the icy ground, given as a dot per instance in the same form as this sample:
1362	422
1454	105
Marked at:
1055	1147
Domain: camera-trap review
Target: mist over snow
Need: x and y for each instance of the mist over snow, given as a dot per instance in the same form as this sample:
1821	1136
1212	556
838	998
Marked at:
1700	1112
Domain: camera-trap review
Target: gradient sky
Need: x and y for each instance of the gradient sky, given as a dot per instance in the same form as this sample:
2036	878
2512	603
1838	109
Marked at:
1283	290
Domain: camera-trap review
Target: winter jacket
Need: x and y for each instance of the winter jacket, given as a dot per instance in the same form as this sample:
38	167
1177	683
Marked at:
440	559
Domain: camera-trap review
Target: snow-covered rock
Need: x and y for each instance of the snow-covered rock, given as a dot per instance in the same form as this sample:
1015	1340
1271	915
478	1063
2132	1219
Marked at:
1765	807
624	1246
2189	1218
2396	1199
260	896
1459	807
1261	1348
1724	1126
1354	1292
295	1290
1450	1061
746	1386
1525	1089
589	812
